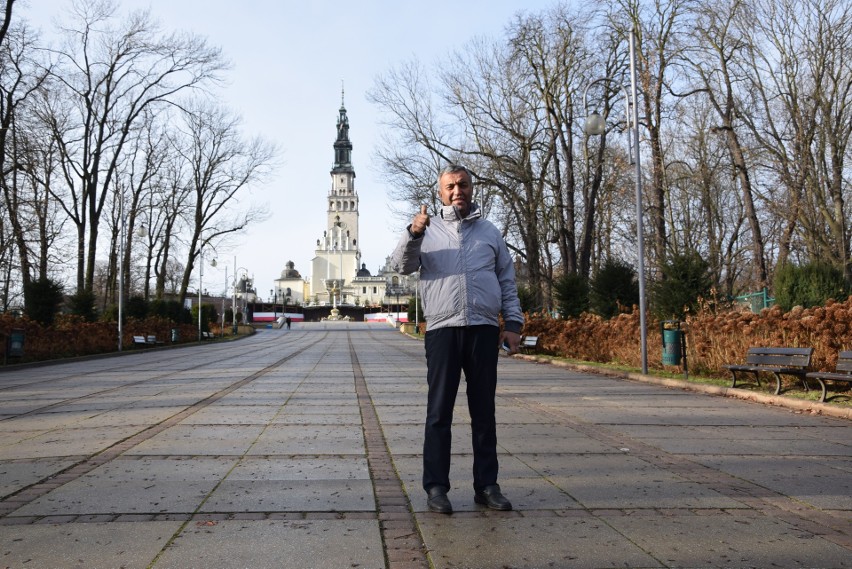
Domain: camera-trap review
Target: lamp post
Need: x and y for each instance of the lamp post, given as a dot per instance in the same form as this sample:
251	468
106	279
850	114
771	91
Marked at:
200	277
234	302
596	125
224	294
121	272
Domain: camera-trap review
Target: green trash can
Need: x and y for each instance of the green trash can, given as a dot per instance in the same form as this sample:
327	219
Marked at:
15	348
672	342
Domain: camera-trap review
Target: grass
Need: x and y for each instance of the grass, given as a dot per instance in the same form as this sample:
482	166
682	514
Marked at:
842	399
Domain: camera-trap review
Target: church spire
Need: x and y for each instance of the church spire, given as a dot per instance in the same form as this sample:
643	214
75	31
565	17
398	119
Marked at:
342	146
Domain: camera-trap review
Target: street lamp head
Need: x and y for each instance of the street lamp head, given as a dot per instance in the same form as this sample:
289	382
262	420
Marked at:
595	124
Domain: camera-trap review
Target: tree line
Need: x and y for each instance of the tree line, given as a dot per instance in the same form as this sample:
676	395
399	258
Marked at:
745	117
113	146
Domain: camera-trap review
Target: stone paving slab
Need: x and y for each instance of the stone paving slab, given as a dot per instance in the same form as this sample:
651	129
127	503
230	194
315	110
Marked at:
93	545
201	440
276	544
529	543
129	416
728	540
18	474
310	439
148	485
233	414
67	442
823	484
317	495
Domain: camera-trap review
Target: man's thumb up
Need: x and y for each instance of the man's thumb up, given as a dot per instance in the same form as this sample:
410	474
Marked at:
420	222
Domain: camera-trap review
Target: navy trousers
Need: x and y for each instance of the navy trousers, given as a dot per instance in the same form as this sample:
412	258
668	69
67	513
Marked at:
449	351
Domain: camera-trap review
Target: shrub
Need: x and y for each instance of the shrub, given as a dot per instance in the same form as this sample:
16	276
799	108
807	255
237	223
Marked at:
171	309
685	279
714	336
208	315
571	293
808	285
529	299
418	304
82	304
612	287
42	299
136	307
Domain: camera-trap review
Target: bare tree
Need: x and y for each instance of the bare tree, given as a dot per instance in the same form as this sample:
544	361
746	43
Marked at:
719	49
7	20
20	79
105	79
412	150
553	49
782	123
220	166
659	28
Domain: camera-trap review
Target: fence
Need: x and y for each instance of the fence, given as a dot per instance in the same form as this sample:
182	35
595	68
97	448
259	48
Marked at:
756	301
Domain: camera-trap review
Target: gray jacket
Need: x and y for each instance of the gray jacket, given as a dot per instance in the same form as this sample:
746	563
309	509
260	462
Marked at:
466	274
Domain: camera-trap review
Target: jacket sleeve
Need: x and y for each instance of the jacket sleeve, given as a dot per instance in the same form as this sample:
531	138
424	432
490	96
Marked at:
513	317
406	257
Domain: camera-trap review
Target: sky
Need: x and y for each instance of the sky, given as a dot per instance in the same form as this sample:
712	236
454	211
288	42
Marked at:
289	61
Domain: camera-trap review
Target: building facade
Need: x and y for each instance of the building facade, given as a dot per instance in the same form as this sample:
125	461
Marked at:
337	255
338	277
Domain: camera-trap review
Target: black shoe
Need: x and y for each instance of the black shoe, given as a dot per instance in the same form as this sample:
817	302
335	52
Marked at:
490	496
438	501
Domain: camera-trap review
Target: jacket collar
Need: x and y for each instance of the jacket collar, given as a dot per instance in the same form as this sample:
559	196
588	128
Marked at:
450	213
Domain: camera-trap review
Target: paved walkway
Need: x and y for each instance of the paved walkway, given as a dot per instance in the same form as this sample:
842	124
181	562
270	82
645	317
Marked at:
301	449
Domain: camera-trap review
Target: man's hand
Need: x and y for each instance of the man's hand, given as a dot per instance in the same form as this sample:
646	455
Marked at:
512	340
420	222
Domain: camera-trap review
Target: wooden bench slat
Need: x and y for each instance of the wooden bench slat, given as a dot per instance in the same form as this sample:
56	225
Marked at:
777	361
782	351
842	372
529	344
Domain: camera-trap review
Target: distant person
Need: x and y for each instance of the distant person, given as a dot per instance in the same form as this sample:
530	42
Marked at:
287	321
467	280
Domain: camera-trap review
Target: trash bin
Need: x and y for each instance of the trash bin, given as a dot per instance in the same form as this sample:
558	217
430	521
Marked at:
175	335
15	348
672	342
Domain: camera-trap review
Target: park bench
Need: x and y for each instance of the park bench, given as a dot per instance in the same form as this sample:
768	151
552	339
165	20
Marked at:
141	342
529	344
146	341
777	361
842	372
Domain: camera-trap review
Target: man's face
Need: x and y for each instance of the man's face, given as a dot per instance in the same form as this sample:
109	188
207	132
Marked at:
456	189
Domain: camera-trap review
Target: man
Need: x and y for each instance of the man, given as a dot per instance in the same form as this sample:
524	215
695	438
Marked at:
467	279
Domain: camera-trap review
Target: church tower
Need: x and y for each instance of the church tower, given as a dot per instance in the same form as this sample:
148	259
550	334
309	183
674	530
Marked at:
337	252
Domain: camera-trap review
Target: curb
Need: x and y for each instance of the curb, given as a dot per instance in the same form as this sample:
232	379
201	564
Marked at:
797	405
